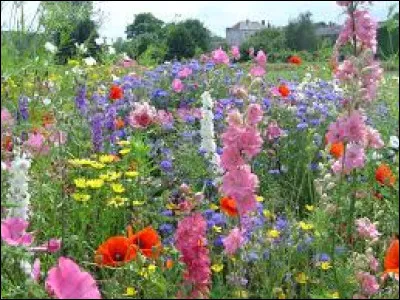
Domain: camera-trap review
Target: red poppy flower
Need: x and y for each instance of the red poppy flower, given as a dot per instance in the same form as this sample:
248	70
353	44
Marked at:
283	90
392	258
119	123
384	175
116	92
148	241
337	150
228	206
294	59
115	251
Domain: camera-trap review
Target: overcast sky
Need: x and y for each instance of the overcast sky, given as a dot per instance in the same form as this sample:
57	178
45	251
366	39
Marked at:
216	15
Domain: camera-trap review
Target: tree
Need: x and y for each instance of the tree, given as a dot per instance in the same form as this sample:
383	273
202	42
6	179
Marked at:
300	33
201	36
144	23
180	43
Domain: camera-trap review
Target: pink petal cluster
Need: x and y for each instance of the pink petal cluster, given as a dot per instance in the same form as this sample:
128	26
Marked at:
257	71
366	229
35	275
371	74
52	246
177	85
6	118
67	281
235	52
142	116
220	57
36	143
184	113
13	232
346	71
348	129
241	141
165	118
373	139
368	283
354	158
261	58
185	72
273	131
365	30
190	240
233	241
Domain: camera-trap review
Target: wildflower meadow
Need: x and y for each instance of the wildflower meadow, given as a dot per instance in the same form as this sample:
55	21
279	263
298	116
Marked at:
204	177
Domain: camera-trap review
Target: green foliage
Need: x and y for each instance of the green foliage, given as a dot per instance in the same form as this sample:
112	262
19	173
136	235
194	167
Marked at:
153	55
388	35
300	33
200	35
180	43
144	23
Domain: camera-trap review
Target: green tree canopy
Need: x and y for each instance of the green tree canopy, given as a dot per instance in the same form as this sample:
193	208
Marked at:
300	33
144	23
180	43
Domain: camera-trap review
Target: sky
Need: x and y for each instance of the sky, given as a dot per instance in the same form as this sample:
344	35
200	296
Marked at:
216	15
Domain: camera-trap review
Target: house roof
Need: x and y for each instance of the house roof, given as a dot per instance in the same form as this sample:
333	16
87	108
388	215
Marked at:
247	25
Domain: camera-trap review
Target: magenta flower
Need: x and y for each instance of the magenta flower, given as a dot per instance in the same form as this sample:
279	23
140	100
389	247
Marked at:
67	281
190	240
261	58
240	184
220	57
273	131
143	116
13	232
6	118
37	143
233	241
235	52
231	159
369	284
354	127
374	139
185	72
257	71
354	158
346	71
35	275
366	229
250	142
177	85
165	119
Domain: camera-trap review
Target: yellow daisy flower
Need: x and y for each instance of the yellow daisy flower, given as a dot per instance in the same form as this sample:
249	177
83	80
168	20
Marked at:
326	265
306	226
260	198
132	174
95	183
117	188
309	207
217	229
273	233
106	159
130	291
217	268
80	197
117	201
80	183
124	151
301	278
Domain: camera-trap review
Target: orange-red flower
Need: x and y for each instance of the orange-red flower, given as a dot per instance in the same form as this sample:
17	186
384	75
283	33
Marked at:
384	175
283	90
115	251
392	258
169	264
294	59
7	143
48	119
119	123
337	150
116	92
148	241
228	206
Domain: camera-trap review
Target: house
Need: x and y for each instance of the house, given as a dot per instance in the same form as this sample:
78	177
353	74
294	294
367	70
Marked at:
241	31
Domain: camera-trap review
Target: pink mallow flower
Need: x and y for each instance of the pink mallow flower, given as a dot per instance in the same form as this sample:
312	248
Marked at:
354	158
6	118
165	119
231	159
273	131
261	58
220	57
254	114
67	281
368	283
37	143
185	72
235	52
143	116
233	241
355	129
373	139
13	232
366	229
257	71
177	85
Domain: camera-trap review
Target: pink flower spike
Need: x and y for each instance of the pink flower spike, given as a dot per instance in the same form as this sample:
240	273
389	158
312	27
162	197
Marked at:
220	57
254	114
235	52
273	131
233	241
257	71
6	118
35	275
13	232
37	143
261	58
177	85
185	72
67	281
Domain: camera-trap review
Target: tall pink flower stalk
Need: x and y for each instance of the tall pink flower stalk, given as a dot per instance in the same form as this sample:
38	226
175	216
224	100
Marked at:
242	141
191	241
